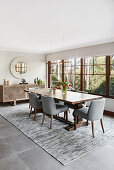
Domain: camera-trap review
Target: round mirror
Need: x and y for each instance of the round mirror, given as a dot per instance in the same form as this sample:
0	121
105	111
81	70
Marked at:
19	68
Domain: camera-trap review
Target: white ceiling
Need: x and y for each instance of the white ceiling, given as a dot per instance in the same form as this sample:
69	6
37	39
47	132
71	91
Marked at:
31	25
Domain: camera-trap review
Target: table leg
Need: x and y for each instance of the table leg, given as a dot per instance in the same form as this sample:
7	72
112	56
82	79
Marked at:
78	122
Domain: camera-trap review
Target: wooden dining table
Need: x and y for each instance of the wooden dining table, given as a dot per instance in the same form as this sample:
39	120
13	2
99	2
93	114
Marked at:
71	97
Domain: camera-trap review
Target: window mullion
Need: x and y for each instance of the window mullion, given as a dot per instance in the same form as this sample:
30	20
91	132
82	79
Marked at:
93	65
63	70
49	73
81	76
107	76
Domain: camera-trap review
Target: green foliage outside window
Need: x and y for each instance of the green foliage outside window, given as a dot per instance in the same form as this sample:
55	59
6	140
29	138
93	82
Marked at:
96	83
94	75
54	77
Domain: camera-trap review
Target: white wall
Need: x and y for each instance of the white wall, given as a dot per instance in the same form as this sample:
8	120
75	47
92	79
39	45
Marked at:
37	66
109	104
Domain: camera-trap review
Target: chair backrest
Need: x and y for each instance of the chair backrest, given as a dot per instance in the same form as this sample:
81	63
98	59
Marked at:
96	109
34	100
48	104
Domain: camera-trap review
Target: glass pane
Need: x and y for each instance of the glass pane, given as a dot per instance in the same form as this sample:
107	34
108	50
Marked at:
95	84
53	68
56	68
55	78
88	69
72	62
77	69
112	59
112	85
100	69
74	80
57	61
112	69
100	60
88	61
77	61
69	70
67	64
69	78
76	85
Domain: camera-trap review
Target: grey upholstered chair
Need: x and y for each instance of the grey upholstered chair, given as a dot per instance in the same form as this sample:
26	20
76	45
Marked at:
51	108
62	103
92	113
35	104
33	88
59	102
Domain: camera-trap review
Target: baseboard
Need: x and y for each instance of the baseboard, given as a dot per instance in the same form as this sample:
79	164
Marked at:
109	113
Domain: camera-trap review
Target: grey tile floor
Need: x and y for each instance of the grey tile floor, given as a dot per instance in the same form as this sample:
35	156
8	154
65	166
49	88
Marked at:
18	152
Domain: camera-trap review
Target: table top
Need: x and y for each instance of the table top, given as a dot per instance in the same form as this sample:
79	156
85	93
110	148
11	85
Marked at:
70	97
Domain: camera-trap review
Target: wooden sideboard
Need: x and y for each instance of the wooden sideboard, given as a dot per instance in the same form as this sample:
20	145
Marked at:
15	92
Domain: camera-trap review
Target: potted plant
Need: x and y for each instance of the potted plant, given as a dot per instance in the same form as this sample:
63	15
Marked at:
40	82
35	81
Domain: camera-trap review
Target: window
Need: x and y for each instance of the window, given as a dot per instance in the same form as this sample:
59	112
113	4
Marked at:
72	72
94	72
94	75
55	72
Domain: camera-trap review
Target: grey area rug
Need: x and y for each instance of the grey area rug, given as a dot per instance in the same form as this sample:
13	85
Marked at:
63	145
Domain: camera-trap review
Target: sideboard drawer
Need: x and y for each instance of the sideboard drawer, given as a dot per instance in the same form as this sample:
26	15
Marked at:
9	94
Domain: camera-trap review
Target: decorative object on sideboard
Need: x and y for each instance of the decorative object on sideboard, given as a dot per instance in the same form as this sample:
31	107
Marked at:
19	67
38	81
7	82
35	81
23	81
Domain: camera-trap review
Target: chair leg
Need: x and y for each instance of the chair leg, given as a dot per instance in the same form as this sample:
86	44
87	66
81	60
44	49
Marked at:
43	118
34	114
51	121
93	128
30	111
87	122
77	119
75	122
102	125
66	115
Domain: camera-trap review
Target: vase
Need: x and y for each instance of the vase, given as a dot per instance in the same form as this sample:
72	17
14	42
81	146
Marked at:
64	90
